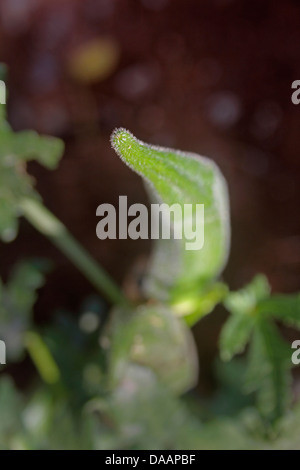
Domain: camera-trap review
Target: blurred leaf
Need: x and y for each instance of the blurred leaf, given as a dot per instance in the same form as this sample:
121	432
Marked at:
245	300
242	305
42	357
268	372
229	398
183	178
195	304
285	308
25	279
28	145
8	221
17	299
51	424
142	414
78	355
235	335
226	434
15	183
10	413
287	437
269	364
153	337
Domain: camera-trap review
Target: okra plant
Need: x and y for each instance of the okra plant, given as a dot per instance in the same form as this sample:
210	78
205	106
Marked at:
133	380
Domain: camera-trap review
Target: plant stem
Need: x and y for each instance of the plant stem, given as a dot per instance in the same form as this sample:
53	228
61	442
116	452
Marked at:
42	357
46	223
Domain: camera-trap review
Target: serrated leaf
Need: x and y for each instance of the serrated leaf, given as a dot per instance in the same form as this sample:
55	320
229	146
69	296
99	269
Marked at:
246	299
24	282
15	183
235	335
285	308
182	178
269	356
29	145
268	372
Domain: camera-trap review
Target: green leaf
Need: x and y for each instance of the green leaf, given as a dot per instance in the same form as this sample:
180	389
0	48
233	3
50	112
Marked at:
25	280
245	300
268	371
28	145
10	411
285	308
154	338
242	306
269	361
15	184
8	221
42	357
194	304
235	335
182	178
141	413
17	299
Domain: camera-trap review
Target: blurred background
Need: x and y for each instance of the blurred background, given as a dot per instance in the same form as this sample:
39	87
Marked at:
210	76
